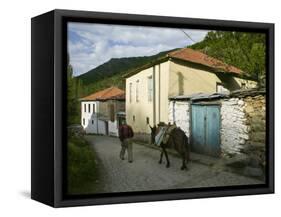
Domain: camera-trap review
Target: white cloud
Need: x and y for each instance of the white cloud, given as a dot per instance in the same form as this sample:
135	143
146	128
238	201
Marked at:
90	45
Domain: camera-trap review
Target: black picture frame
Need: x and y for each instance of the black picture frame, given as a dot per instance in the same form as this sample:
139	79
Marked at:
49	57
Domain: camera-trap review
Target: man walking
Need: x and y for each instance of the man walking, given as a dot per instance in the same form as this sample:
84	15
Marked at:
125	135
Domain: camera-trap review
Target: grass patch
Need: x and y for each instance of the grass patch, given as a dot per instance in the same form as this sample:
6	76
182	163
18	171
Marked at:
82	169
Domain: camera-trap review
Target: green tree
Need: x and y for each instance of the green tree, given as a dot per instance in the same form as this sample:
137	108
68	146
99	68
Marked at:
72	96
241	49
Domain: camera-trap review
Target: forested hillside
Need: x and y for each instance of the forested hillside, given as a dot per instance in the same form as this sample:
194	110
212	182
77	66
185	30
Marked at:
110	73
243	50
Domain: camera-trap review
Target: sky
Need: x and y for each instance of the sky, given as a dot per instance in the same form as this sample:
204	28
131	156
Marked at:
90	45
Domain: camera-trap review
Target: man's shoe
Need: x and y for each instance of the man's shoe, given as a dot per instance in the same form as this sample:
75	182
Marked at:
130	161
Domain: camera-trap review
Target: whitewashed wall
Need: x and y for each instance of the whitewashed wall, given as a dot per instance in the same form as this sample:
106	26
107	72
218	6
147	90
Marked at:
113	128
179	114
234	128
96	126
86	115
90	121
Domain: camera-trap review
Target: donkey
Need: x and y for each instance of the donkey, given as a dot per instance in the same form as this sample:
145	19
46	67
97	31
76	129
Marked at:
178	141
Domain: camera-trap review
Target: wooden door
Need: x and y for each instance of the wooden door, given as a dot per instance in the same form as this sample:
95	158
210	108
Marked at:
205	129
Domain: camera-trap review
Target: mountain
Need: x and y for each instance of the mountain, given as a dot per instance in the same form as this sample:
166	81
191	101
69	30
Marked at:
110	73
116	66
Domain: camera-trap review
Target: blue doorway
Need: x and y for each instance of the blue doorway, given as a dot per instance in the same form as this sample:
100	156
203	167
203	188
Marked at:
205	129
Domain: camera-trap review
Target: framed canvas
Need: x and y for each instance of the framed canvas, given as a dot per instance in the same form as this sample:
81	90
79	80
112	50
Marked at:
133	108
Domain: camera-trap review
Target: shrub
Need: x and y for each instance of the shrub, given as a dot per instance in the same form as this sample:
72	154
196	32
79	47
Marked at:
81	166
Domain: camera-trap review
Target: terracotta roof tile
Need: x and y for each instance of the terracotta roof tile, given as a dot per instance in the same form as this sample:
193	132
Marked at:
190	55
106	94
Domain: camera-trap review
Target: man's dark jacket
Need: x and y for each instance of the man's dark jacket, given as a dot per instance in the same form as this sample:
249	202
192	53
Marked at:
125	132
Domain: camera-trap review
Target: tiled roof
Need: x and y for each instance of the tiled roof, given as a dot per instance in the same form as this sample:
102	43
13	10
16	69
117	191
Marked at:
190	55
106	94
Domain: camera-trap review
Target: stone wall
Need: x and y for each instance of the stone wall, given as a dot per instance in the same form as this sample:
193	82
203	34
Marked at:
255	112
179	114
234	126
243	124
243	134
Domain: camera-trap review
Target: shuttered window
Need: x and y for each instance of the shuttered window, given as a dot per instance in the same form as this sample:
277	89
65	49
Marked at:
94	108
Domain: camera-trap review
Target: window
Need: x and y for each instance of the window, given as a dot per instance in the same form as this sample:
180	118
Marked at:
134	118
137	91
147	120
85	108
83	121
89	108
94	108
130	92
243	85
92	121
150	88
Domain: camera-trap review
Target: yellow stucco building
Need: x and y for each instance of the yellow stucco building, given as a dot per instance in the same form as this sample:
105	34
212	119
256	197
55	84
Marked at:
181	72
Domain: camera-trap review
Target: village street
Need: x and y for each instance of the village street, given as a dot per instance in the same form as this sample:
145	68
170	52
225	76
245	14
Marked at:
145	173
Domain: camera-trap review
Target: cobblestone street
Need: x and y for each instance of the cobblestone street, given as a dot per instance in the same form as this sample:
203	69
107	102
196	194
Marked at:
145	173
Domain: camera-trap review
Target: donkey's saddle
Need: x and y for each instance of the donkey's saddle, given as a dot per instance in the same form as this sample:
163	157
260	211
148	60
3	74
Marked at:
168	133
164	134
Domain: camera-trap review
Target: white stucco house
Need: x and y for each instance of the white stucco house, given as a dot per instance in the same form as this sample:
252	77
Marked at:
100	111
